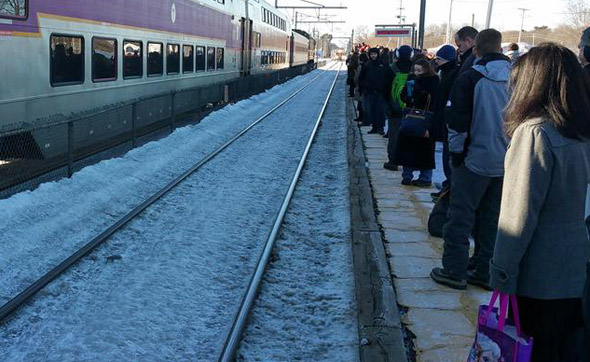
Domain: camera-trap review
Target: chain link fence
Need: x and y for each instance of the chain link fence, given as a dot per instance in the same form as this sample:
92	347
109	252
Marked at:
33	155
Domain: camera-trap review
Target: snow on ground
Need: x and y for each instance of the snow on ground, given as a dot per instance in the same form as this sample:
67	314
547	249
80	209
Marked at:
306	310
43	227
167	287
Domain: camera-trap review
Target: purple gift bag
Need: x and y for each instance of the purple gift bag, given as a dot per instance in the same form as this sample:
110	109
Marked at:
499	339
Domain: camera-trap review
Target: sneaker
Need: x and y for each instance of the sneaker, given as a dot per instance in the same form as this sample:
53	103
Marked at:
407	182
477	279
390	166
421	183
441	276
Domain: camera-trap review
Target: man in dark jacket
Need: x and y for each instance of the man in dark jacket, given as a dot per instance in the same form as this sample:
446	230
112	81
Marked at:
375	83
465	40
585	50
449	70
478	146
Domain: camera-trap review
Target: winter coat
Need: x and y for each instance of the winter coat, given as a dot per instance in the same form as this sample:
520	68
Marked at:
418	152
376	78
587	69
474	116
448	76
542	244
466	61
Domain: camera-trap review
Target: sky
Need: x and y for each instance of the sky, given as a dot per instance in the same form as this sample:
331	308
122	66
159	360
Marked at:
505	14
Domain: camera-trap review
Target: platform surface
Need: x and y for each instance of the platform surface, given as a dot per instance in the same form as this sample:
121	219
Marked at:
442	319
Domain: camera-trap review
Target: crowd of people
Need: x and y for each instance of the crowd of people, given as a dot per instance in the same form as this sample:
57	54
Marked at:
515	134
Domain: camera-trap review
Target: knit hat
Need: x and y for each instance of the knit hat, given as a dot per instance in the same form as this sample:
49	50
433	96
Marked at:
447	52
373	50
404	52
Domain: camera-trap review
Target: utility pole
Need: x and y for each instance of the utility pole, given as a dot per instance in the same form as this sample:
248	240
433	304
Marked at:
448	37
489	17
422	24
521	23
473	20
401	18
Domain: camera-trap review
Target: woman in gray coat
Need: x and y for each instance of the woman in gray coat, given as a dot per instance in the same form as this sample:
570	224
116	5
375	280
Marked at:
542	245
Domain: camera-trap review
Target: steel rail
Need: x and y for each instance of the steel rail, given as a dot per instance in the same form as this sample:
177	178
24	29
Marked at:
12	305
232	341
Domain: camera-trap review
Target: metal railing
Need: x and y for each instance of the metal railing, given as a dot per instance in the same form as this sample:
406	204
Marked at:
31	155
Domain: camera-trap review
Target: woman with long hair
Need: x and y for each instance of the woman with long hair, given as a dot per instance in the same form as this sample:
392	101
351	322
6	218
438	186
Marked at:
542	244
417	153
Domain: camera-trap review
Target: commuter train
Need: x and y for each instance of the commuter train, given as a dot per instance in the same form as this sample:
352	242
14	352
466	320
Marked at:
73	56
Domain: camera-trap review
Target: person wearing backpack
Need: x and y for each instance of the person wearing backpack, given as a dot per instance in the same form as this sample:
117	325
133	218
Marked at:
401	69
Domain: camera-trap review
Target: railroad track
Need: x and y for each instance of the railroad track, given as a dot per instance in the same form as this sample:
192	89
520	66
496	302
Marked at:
233	338
19	300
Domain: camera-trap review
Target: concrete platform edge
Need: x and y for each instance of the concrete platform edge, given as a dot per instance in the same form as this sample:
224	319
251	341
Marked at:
380	329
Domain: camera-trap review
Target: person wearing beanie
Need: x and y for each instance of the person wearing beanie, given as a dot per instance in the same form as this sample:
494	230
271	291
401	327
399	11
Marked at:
446	60
375	83
584	47
401	69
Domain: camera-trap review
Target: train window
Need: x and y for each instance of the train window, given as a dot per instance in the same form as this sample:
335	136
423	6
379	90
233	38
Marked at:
220	58
201	60
188	58
221	1
14	9
67	60
210	58
155	60
104	59
173	59
257	39
132	59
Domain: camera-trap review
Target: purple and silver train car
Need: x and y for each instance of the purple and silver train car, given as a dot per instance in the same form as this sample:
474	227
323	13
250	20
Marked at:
69	56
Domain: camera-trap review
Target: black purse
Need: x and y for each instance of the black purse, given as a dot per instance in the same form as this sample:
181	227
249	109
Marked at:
416	122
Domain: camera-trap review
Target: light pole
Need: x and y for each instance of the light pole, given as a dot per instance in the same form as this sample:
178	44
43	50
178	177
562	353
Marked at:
489	17
422	24
522	23
448	38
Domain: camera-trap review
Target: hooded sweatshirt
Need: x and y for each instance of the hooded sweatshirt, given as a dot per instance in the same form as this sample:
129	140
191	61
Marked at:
475	116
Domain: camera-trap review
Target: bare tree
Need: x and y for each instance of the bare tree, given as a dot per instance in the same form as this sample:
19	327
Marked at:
578	13
12	7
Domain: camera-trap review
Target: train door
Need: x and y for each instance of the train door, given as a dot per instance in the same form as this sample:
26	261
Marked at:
246	64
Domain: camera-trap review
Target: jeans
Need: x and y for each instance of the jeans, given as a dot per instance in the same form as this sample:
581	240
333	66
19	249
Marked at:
408	174
374	107
475	202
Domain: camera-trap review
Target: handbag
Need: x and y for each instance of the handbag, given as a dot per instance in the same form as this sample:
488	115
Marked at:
415	122
499	338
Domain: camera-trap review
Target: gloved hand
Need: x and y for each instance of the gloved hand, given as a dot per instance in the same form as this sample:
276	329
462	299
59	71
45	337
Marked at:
457	159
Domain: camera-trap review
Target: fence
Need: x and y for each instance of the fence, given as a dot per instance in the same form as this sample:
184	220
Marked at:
30	156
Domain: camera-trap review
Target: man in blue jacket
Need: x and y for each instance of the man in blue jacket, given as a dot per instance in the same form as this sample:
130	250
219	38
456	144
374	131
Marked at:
477	145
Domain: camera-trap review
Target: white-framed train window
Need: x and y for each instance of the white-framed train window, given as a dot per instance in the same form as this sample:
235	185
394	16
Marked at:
201	58
66	65
104	59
